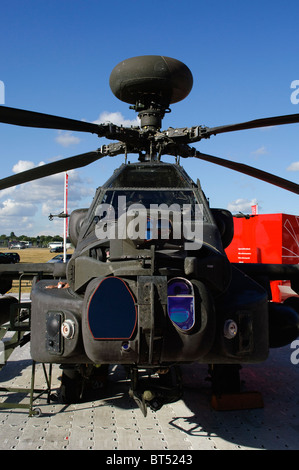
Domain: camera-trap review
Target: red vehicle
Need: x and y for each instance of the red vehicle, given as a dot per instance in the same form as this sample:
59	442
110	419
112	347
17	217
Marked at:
267	239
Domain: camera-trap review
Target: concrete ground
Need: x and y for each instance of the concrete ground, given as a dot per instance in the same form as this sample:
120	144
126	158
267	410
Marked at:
111	420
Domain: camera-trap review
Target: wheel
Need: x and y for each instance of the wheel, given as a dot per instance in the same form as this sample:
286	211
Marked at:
36	412
225	378
71	386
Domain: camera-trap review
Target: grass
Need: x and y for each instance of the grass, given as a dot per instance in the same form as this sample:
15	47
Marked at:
30	255
34	255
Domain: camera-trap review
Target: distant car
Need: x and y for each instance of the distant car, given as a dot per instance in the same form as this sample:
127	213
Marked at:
3	258
56	249
19	246
8	258
59	259
14	256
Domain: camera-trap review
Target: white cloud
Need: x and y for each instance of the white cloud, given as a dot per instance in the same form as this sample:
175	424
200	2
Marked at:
66	139
22	165
116	118
241	205
24	209
16	216
293	167
10	207
260	151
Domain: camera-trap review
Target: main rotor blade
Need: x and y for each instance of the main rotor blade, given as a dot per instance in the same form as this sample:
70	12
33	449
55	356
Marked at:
21	117
250	171
48	169
256	123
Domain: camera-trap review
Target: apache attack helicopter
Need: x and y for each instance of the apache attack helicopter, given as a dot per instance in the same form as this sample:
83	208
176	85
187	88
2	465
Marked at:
137	291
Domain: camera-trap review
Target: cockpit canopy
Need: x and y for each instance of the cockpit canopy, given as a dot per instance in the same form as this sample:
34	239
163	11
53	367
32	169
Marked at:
180	209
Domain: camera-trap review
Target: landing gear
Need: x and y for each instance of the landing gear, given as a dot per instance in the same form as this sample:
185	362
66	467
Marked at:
226	389
225	378
71	388
155	388
77	380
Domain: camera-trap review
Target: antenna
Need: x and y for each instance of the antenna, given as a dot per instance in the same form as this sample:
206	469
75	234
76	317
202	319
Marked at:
65	222
64	215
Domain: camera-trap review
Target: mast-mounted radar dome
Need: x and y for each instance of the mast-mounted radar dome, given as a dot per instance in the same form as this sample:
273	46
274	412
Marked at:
149	79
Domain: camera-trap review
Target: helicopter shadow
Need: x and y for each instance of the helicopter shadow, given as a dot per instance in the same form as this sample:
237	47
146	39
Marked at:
113	391
14	369
199	421
274	426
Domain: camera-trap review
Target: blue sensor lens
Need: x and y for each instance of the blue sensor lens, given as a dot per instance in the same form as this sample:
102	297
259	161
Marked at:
181	303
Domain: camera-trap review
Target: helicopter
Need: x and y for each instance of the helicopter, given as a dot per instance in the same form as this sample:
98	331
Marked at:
149	285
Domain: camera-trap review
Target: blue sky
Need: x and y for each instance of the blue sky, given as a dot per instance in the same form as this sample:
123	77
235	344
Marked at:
57	56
